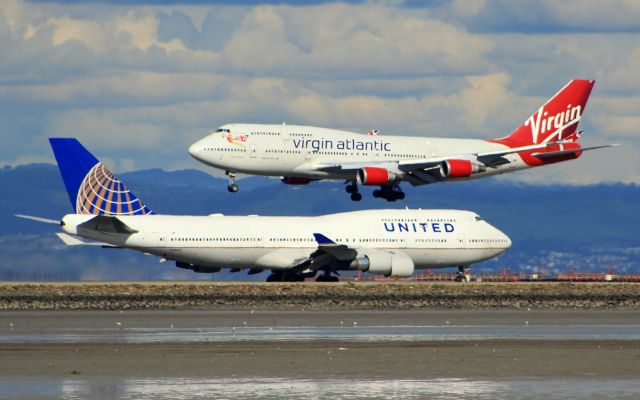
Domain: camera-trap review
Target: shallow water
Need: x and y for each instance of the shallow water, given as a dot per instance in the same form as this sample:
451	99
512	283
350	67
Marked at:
354	333
319	389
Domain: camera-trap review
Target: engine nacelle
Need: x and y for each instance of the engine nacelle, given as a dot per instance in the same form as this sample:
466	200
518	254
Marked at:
293	180
459	168
385	263
375	176
197	268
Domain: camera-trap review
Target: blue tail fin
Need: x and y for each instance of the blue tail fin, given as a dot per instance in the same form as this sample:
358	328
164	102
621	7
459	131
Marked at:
92	188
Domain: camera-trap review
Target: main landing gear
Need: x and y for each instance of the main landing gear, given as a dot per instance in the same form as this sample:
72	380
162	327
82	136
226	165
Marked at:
463	274
232	187
352	188
389	192
285	276
327	277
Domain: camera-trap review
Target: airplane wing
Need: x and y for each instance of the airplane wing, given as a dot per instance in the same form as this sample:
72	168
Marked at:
328	252
425	163
339	251
422	171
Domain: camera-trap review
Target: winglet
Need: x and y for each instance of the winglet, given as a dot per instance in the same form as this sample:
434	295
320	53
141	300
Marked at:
322	239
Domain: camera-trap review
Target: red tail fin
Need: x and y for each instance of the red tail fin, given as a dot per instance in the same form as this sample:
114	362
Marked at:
556	120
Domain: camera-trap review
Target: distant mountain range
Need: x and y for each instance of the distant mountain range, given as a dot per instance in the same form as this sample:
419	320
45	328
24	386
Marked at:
591	227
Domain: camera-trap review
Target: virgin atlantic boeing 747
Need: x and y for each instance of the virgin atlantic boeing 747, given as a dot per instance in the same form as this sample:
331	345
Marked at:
301	154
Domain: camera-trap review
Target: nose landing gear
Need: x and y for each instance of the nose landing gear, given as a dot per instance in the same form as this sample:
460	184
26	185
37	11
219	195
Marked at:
463	274
232	187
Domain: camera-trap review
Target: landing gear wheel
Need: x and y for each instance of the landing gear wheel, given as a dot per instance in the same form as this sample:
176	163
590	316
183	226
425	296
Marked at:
463	274
351	188
232	187
284	276
389	193
274	277
327	278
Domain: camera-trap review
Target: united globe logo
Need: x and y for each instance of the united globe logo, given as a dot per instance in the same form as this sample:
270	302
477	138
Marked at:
101	193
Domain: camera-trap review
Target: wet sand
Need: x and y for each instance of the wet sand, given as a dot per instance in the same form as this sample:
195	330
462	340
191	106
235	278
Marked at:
317	359
321	360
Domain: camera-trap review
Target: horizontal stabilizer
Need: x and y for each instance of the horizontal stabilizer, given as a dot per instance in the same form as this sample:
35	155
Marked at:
106	224
570	151
71	240
38	219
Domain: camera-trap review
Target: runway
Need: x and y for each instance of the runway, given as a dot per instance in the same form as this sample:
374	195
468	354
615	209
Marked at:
312	354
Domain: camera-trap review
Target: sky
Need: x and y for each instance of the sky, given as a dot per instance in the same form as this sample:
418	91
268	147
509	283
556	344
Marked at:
137	82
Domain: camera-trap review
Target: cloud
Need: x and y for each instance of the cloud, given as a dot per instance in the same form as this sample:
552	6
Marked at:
545	16
341	40
118	90
142	81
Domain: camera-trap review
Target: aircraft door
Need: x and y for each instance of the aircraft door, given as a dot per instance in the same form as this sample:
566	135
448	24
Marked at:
252	151
462	243
285	134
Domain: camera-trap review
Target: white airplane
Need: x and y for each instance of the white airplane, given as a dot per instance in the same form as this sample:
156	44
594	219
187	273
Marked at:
388	242
300	154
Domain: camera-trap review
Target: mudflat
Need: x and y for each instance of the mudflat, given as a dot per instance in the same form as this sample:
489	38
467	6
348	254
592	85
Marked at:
321	360
77	352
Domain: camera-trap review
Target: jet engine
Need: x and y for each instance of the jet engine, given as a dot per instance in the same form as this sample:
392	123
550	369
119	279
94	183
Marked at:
292	180
383	262
197	268
458	168
375	176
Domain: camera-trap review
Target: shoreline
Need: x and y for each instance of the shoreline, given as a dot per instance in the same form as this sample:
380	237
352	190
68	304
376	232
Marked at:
200	295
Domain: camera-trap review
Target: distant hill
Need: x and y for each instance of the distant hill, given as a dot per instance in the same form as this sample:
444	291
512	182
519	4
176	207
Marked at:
548	224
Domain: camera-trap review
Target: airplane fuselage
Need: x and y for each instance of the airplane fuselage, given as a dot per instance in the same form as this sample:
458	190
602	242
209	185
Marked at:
310	152
431	238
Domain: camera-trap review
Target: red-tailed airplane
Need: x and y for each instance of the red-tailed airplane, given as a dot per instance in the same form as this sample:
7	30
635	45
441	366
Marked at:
301	154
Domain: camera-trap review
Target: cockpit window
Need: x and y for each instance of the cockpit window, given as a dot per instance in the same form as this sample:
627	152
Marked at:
478	218
223	130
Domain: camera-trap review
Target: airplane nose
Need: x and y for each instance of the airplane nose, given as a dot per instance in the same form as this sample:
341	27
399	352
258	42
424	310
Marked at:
195	150
508	239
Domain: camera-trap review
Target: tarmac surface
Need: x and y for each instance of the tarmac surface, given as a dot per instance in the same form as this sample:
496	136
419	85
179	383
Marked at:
240	354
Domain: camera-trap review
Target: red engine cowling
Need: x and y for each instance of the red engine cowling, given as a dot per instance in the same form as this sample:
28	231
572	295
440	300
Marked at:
375	176
457	168
293	180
